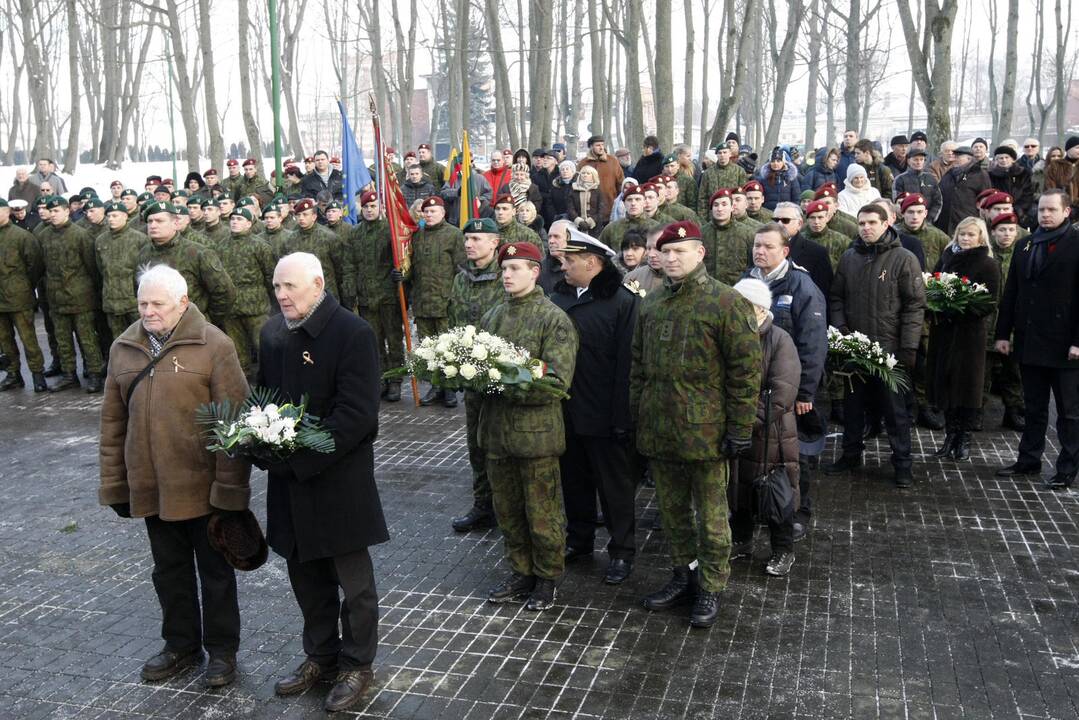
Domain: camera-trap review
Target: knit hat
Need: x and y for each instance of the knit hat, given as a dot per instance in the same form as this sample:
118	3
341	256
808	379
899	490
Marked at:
1071	142
855	170
756	291
1006	150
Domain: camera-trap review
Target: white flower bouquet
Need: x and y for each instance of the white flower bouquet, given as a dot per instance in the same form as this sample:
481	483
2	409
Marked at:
464	358
262	429
855	355
948	293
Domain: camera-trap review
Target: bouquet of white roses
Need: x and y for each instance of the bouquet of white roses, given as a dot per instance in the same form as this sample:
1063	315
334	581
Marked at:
956	294
463	358
855	355
262	429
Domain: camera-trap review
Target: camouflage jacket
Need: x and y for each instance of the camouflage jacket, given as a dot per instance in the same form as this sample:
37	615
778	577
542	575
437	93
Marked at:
434	171
475	291
277	239
257	186
332	253
933	242
835	243
715	178
515	232
764	215
1004	259
70	269
372	257
529	424
342	230
216	237
93	229
696	369
208	285
687	191
748	222
678	212
194	235
21	267
615	232
728	250
436	253
249	261
117	252
844	225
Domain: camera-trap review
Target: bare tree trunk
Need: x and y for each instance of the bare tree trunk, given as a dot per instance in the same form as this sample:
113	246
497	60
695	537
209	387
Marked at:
629	38
542	18
290	38
184	86
507	121
1063	76
130	97
1011	61
934	85
598	63
209	86
37	85
812	77
962	81
687	80
575	88
783	64
463	84
707	6
406	65
728	103
852	86
71	152
663	90
254	139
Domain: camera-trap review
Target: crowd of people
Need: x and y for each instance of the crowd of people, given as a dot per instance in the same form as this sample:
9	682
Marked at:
683	304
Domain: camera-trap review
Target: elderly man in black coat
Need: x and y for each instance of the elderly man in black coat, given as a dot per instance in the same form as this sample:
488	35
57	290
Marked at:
598	426
1040	306
323	510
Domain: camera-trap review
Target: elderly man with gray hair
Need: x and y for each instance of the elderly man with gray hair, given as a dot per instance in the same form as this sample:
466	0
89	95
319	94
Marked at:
154	465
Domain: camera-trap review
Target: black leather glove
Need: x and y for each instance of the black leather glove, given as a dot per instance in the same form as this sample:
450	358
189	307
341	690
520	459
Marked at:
733	446
122	509
396	276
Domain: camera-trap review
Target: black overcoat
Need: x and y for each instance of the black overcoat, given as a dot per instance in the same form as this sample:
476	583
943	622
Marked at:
323	505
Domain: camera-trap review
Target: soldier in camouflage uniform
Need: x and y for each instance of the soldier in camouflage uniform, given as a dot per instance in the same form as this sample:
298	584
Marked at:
335	223
728	245
669	204
437	252
816	229
252	204
476	289
130	199
21	266
116	251
523	434
377	296
755	202
71	274
233	178
687	184
739	207
335	256
194	211
653	193
724	173
215	231
208	285
509	229
275	232
694	384
1002	371
615	232
249	261
837	221
93	219
251	184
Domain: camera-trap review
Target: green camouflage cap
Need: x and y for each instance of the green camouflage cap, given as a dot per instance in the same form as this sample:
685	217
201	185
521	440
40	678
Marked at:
481	225
159	206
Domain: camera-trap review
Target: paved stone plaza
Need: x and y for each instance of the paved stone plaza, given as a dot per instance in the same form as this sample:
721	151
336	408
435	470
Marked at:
954	599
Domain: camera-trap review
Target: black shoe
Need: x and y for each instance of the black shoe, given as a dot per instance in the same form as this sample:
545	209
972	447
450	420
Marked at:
961	449
904	478
433	396
741	550
542	596
12	381
515	587
1059	482
930	418
54	370
305	676
393	392
95	384
478	518
679	590
948	447
1014	419
348	690
617	571
572	553
220	671
449	399
68	381
40	385
976	422
1015	469
705	609
168	663
845	463
779	564
800	530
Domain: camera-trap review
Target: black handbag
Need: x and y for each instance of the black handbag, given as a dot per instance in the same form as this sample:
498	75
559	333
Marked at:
772	489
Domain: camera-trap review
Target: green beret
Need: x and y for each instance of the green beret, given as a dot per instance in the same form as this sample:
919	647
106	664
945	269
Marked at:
246	201
3	203
54	202
271	209
93	202
807	194
670	159
481	225
115	206
128	192
181	193
159	206
181	209
195	201
145	197
333	205
43	201
245	213
216	202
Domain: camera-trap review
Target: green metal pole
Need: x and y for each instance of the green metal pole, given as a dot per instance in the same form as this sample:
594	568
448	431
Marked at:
275	90
172	126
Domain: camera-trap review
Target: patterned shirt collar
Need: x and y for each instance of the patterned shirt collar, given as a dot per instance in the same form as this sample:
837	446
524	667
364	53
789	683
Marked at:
297	324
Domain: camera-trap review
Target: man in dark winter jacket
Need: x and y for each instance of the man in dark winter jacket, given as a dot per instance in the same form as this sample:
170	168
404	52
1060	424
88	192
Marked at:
1007	175
846	156
918	181
896	160
650	163
959	188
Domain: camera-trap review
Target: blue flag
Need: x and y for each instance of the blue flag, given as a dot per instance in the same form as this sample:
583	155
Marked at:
353	169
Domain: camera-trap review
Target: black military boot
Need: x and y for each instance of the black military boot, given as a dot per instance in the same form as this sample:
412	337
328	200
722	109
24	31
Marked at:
95	384
449	398
168	663
40	385
393	392
220	671
948	447
515	587
54	369
480	517
542	596
705	609
431	397
679	590
1013	418
68	381
12	381
961	448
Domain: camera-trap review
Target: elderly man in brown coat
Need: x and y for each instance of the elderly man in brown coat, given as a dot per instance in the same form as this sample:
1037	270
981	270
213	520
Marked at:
154	465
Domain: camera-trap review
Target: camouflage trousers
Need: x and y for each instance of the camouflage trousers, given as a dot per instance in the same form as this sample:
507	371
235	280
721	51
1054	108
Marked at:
427	326
385	321
527	495
70	327
119	323
244	331
1002	373
21	322
477	456
692	500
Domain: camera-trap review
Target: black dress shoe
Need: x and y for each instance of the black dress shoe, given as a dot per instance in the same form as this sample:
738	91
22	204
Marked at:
705	610
168	663
1059	482
573	553
845	463
617	571
515	587
478	518
679	590
1015	469
306	675
948	447
904	478
348	690
95	384
431	397
220	671
961	449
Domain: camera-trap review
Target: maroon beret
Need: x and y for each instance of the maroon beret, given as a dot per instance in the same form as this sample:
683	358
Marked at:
816	206
721	193
369	196
519	251
911	200
826	190
250	162
209	172
302	205
679	231
753	185
1004	219
632	190
424	146
233	163
506	199
997	198
432	202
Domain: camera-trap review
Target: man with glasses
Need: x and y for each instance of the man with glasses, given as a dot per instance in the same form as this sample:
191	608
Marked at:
1032	154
